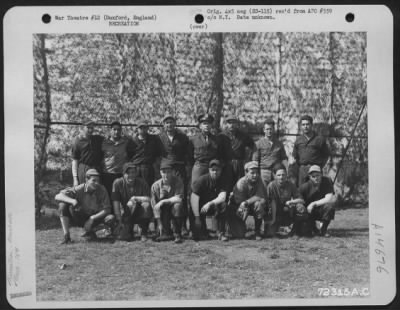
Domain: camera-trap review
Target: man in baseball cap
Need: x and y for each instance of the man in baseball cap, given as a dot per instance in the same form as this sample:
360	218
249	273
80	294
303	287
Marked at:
86	153
166	200
130	198
249	198
320	199
209	198
86	205
175	147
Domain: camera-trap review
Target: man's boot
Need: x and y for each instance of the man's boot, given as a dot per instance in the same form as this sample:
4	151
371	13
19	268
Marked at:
176	228
257	228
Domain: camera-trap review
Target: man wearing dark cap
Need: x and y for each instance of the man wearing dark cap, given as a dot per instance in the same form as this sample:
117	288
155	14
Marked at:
86	153
309	149
175	147
320	199
249	197
269	152
116	151
209	195
166	200
206	146
131	202
242	147
146	149
86	205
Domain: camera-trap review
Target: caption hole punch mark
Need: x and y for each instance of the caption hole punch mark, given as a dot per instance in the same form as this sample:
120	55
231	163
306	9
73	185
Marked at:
46	18
199	18
349	17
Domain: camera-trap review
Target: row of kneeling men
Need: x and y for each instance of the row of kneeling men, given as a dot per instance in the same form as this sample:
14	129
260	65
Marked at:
306	210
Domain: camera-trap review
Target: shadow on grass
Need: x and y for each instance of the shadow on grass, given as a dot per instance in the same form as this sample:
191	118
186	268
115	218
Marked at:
348	232
47	223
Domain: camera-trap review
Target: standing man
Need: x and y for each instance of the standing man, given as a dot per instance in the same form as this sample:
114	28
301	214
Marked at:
269	152
209	195
242	147
146	148
320	199
86	205
309	149
206	146
86	153
176	148
166	200
249	197
116	151
131	202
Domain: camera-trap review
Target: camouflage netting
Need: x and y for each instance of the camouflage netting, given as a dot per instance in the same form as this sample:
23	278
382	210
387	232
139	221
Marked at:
131	77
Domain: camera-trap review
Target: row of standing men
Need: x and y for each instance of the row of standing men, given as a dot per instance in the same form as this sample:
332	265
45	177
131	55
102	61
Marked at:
189	159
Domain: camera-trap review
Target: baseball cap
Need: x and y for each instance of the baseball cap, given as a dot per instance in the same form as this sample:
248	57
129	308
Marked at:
126	166
165	164
115	123
167	117
92	172
205	118
251	165
314	168
269	121
143	124
214	162
306	118
232	118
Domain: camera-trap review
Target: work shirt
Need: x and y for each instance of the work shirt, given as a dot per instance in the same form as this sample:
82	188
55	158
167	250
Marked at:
145	152
203	148
87	150
244	190
310	193
239	141
116	154
122	191
177	149
313	151
174	188
91	202
269	152
208	189
282	193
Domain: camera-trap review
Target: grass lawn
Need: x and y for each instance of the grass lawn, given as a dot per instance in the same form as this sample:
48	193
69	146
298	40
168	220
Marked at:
239	269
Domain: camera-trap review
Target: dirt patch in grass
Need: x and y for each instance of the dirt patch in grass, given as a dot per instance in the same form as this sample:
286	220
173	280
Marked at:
238	269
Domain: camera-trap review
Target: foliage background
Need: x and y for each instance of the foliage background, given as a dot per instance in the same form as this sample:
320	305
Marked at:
131	77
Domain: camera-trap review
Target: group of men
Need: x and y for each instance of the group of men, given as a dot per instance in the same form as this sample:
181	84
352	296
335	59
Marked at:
225	176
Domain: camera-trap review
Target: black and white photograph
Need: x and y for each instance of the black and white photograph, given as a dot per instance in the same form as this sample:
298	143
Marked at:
204	166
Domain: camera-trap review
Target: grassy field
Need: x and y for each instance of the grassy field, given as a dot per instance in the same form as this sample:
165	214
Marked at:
272	268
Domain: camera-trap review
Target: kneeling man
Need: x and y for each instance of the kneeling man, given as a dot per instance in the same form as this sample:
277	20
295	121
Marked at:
287	207
131	201
320	199
249	197
209	195
166	200
87	205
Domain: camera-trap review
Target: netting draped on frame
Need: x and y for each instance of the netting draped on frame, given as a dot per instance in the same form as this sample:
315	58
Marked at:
133	77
